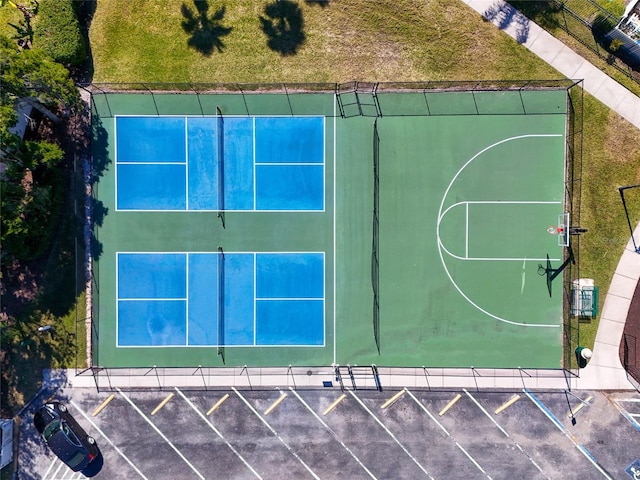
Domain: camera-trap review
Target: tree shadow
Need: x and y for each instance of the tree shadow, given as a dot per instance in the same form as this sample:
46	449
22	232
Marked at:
283	25
321	3
206	31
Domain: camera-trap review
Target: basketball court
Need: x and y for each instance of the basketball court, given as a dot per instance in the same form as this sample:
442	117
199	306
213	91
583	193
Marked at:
396	229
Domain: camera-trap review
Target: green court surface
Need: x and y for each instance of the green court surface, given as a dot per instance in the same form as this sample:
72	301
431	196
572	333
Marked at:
435	222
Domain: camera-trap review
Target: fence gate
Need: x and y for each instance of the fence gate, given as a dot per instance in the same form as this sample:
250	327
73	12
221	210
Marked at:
358	378
358	99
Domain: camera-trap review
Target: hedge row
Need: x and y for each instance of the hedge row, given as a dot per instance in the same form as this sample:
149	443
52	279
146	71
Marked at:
57	31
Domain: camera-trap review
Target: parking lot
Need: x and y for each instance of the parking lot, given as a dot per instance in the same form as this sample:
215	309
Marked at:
327	433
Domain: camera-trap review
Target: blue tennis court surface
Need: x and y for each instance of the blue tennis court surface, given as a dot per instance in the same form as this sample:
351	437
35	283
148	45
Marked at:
173	299
220	163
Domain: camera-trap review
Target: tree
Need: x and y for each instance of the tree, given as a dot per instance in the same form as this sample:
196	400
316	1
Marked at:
29	75
30	183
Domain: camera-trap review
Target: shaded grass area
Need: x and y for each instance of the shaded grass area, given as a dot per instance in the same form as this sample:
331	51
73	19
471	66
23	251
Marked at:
368	40
47	292
356	40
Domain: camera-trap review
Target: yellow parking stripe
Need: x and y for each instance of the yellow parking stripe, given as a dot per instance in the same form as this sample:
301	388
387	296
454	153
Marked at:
104	404
393	399
162	403
507	404
275	404
579	407
332	407
217	404
450	404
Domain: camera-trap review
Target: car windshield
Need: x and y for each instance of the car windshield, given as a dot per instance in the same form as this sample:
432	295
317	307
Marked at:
52	428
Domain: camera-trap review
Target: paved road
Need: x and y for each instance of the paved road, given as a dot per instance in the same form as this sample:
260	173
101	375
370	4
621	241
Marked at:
422	434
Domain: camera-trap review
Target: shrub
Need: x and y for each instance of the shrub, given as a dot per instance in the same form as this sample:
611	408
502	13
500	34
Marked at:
57	31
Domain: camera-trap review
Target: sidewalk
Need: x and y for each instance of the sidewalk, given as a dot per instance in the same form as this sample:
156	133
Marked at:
604	371
561	57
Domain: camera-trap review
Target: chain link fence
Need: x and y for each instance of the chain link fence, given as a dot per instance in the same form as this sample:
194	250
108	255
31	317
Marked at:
589	23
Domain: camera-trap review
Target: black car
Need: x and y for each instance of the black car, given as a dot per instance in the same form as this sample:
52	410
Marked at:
67	439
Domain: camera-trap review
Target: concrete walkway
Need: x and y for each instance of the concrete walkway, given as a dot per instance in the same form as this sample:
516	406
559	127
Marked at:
604	371
560	57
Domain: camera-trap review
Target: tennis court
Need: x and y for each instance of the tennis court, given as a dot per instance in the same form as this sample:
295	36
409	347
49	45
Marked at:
301	229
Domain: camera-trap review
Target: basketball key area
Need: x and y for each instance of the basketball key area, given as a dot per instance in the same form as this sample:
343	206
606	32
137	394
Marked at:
317	238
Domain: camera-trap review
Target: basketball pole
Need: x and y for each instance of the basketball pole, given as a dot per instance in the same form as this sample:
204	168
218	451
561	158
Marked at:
626	212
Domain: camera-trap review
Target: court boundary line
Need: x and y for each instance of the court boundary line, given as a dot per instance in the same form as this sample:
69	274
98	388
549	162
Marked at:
253	118
335	240
256	299
186	163
441	215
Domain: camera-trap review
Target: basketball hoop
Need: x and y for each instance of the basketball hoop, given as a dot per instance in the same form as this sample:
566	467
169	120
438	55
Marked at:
556	229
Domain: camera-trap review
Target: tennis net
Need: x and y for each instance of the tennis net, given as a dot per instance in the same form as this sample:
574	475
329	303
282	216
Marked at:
221	303
375	246
220	141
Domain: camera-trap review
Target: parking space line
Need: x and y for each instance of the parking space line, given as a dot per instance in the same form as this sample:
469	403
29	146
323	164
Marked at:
120	452
103	405
333	405
631	417
572	413
217	432
425	410
561	427
275	433
393	399
135	407
276	403
518	446
49	469
162	403
390	433
217	404
331	431
507	404
449	405
55	473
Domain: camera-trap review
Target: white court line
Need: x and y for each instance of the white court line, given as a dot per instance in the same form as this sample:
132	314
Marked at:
186	162
333	433
231	447
115	161
153	163
135	407
302	164
490	417
441	246
186	303
335	239
424	409
395	439
253	139
293	299
466	232
120	452
273	431
146	299
492	259
255	299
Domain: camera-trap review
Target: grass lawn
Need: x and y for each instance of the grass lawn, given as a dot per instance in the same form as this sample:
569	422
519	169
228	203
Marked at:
366	40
